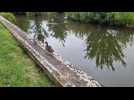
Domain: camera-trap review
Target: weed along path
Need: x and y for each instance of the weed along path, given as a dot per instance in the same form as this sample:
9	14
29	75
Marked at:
62	74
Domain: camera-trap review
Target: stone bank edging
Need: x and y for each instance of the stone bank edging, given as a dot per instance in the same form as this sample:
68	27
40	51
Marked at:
67	76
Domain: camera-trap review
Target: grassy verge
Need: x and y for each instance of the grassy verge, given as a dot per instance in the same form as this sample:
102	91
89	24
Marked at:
8	16
16	69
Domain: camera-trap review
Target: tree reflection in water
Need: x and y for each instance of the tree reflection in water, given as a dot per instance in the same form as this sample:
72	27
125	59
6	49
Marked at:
103	45
22	21
37	27
105	48
57	26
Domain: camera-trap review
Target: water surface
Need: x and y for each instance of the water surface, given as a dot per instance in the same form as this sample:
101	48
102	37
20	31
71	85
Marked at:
105	53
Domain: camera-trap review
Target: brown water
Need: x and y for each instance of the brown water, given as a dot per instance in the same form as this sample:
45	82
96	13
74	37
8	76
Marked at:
105	53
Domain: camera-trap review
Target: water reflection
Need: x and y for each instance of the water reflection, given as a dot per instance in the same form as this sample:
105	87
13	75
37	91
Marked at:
23	22
104	45
105	48
57	26
37	29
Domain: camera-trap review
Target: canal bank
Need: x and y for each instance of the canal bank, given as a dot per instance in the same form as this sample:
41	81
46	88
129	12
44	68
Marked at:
16	68
104	52
62	74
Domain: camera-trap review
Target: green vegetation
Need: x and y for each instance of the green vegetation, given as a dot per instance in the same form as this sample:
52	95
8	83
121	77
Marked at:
107	18
16	69
8	16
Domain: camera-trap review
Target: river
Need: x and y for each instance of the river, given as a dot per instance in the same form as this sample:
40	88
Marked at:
105	53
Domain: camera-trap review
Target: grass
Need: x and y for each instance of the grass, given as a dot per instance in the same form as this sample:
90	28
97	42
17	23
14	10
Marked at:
16	68
9	16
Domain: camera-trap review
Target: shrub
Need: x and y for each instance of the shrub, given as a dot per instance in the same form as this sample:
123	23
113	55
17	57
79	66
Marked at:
110	18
